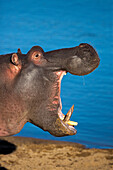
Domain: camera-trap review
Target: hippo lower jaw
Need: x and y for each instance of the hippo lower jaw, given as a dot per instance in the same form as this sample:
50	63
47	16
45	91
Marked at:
66	118
62	126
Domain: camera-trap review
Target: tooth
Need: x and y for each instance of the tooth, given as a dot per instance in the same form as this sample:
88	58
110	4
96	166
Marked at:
69	113
72	123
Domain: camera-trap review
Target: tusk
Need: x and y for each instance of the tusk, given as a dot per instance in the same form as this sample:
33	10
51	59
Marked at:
72	123
68	115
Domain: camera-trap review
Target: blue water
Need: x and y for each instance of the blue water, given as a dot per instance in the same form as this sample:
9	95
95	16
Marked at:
58	24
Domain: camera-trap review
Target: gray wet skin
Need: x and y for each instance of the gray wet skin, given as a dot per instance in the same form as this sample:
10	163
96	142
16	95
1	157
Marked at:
30	87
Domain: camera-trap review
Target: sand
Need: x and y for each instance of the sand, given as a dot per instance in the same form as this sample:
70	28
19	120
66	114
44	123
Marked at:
18	153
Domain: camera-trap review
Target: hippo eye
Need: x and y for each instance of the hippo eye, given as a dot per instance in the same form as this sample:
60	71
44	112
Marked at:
37	55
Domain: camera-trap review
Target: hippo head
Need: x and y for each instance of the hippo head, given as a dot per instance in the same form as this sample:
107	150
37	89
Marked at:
30	87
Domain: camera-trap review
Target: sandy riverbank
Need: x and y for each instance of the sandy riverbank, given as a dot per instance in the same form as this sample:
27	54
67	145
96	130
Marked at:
18	153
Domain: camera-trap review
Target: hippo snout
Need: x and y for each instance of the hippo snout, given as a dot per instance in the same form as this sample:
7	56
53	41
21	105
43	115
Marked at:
84	61
79	60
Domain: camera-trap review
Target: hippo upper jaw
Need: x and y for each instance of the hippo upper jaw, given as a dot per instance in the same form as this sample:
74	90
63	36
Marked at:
80	60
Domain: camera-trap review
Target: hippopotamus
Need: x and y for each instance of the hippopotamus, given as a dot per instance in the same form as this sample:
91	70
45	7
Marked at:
30	87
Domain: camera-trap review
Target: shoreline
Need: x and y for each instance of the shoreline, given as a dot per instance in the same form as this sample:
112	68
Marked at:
31	153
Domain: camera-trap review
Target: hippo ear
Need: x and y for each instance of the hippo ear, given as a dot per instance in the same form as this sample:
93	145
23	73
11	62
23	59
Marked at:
19	51
14	59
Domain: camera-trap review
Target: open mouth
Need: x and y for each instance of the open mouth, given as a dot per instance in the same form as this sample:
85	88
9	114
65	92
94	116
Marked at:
65	119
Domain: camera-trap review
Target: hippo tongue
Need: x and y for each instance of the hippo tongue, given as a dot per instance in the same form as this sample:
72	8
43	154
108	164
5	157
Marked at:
67	117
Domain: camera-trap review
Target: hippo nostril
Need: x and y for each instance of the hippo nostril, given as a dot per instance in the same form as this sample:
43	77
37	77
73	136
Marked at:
83	45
